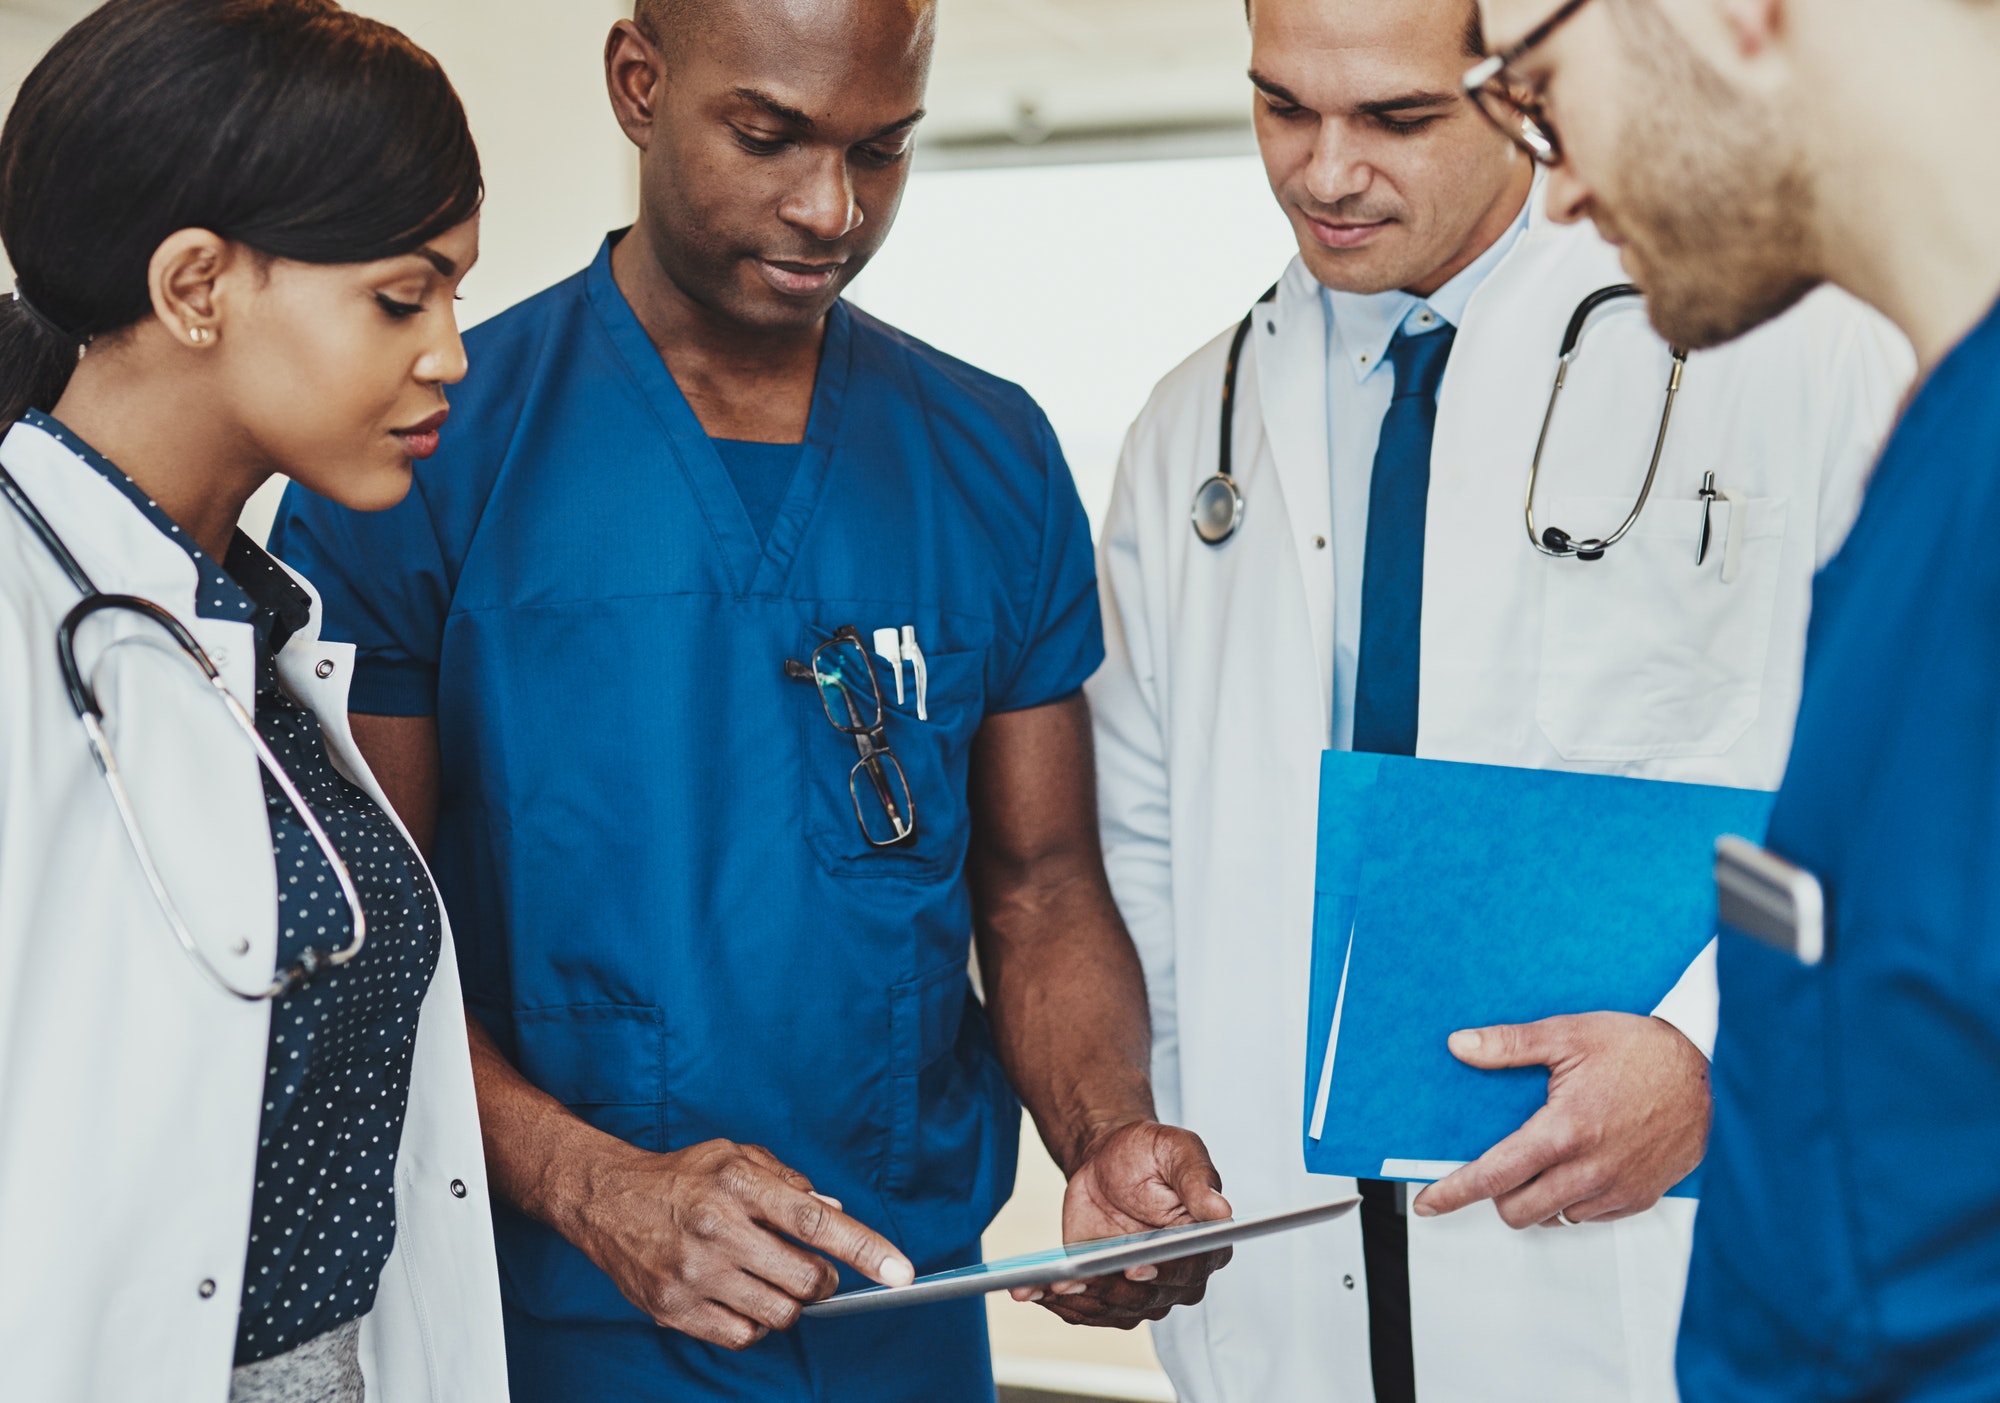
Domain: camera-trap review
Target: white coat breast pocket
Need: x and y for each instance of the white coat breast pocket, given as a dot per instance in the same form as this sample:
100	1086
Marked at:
1647	655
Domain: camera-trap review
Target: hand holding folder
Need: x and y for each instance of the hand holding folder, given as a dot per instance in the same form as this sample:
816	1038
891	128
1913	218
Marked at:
1626	1120
1456	896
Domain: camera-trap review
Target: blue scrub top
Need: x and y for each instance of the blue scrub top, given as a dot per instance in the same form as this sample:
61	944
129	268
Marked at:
664	908
1848	1245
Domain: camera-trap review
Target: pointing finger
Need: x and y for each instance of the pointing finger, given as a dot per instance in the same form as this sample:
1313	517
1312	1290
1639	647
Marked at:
1507	1166
814	1222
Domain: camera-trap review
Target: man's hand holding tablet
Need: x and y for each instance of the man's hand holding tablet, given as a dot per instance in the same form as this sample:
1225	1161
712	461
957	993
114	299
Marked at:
1142	1176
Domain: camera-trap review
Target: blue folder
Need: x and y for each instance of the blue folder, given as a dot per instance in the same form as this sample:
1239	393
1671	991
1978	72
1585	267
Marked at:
1456	896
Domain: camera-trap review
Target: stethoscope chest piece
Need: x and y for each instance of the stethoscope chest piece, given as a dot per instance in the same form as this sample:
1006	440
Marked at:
1218	510
1218	503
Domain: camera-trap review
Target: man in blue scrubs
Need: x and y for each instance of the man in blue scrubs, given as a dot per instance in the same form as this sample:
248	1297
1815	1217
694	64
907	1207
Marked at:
715	940
1848	1246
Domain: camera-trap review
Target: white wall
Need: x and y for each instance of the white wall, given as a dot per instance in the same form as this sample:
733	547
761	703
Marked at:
1085	283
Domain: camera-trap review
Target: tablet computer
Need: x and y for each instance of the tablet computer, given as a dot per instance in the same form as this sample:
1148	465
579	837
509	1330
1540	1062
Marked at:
1077	1261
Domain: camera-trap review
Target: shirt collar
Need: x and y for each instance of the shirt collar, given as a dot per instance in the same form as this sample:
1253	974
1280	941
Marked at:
1360	326
250	587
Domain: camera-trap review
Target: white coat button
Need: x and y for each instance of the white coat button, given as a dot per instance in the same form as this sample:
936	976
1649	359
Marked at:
1348	1282
458	1188
207	1288
325	668
241	947
1319	543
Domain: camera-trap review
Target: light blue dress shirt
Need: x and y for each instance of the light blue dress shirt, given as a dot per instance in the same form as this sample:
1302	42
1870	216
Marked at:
1359	384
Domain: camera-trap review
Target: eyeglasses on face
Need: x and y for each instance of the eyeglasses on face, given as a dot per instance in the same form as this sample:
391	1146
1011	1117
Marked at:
1501	96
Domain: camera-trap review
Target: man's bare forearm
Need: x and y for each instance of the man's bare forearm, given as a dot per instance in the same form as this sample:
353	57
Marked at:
402	753
538	1152
1068	1003
1064	987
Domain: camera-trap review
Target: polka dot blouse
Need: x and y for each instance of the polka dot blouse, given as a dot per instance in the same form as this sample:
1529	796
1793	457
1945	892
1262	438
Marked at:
337	1078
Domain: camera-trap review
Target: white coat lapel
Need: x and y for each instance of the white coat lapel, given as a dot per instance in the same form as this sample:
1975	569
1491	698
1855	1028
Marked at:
1288	358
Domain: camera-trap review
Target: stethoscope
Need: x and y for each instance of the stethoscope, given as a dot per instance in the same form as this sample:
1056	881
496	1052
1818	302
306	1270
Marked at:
83	698
1555	541
1218	502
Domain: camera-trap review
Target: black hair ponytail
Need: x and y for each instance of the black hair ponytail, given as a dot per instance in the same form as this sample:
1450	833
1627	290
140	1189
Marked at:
292	126
36	358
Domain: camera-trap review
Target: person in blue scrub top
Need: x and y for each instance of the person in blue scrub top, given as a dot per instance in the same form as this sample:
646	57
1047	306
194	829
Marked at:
1848	1246
619	661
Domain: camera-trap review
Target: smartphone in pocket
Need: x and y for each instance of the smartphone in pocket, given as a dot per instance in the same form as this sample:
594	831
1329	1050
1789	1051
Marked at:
1761	895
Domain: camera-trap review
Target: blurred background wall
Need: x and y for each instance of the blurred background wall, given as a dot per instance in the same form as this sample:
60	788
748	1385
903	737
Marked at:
1086	209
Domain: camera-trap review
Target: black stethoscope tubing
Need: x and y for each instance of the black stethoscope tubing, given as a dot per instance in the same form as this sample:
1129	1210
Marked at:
1218	503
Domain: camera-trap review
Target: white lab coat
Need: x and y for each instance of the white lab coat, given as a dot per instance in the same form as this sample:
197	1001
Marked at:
1214	706
130	1088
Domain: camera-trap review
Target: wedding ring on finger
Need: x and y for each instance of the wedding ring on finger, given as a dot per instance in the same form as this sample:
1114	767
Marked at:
1564	1220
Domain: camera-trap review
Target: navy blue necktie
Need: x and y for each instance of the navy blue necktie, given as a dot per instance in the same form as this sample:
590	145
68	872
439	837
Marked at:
1385	721
1392	574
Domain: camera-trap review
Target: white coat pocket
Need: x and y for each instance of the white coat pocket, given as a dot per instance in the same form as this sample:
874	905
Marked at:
1647	655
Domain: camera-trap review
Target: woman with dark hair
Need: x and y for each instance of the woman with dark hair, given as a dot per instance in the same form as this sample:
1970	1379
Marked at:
239	1156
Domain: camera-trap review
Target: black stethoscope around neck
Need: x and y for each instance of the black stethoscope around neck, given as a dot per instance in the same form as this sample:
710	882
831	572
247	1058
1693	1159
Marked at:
1217	511
90	713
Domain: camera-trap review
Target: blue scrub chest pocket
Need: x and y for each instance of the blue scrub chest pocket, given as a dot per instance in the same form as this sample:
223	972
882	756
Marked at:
856	778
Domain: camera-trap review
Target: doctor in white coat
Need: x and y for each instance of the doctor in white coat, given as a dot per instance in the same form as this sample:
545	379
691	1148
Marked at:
1231	666
129	1085
240	1155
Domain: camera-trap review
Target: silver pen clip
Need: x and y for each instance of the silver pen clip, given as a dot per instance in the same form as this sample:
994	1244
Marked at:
912	653
1708	494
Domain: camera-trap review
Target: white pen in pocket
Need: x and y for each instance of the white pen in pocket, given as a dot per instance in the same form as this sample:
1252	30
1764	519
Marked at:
913	654
889	646
899	646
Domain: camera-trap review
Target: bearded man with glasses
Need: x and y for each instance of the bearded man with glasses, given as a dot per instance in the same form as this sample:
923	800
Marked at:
1745	152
